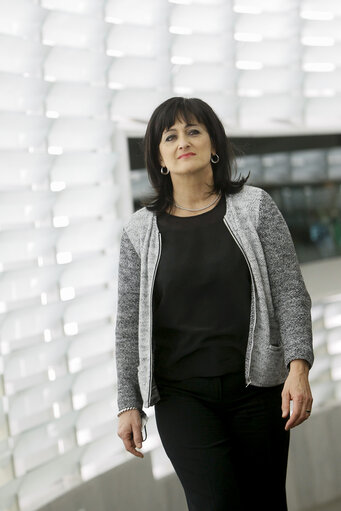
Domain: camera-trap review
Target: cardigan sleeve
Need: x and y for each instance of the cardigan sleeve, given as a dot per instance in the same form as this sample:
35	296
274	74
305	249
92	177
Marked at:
291	300
126	328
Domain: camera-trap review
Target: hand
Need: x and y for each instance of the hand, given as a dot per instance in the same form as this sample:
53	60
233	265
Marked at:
297	389
129	430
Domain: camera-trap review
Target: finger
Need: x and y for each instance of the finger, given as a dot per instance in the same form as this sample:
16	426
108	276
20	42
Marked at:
285	404
129	444
307	405
296	412
300	415
303	417
137	433
306	410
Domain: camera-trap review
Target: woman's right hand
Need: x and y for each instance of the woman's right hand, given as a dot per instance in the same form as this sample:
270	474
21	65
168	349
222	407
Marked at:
129	430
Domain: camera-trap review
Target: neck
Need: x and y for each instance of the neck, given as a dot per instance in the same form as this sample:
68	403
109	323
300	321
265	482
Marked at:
192	202
191	192
180	210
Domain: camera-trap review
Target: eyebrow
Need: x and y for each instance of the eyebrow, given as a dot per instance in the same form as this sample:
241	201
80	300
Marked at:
187	125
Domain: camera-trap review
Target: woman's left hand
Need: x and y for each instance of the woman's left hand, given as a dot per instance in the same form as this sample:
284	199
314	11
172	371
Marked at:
297	389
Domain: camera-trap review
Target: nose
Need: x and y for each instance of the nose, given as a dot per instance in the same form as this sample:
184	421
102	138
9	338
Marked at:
183	142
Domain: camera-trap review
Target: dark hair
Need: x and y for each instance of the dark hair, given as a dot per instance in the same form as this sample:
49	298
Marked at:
164	117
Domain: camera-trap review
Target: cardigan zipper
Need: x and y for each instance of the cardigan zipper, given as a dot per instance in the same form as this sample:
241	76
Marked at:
254	301
151	322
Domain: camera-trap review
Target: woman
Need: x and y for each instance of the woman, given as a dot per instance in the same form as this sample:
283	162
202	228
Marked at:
213	319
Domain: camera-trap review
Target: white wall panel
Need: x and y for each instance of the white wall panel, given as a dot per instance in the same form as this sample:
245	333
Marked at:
73	75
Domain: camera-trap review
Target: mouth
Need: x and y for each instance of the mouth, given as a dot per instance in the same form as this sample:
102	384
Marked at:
187	155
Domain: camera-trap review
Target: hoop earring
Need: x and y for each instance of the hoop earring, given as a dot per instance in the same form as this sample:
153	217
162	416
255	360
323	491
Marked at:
215	161
164	173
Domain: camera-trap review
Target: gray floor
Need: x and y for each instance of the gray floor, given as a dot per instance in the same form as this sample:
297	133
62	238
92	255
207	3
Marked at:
109	492
176	501
332	506
313	482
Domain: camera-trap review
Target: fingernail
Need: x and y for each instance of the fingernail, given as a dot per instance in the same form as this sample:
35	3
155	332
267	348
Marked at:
139	445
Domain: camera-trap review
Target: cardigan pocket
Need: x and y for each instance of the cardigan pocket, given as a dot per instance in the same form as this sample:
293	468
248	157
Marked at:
275	336
276	347
276	370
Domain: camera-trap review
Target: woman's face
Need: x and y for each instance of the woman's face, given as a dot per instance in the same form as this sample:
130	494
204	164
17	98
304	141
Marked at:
181	139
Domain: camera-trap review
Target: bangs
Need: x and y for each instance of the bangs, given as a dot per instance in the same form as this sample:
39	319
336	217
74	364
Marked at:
187	111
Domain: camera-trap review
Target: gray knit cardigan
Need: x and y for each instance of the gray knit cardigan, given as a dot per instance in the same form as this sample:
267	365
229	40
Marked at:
280	316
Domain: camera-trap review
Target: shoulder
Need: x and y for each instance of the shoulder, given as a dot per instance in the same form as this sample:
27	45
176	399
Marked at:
137	225
246	202
138	219
252	204
248	194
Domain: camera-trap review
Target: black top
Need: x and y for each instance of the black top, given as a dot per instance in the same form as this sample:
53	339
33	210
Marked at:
201	298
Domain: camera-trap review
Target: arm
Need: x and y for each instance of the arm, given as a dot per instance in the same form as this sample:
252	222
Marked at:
292	305
126	347
291	300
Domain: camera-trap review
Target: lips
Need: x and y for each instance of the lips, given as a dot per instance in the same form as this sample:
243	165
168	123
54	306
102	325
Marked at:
186	155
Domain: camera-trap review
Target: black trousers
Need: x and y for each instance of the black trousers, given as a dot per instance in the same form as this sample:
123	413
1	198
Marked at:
226	442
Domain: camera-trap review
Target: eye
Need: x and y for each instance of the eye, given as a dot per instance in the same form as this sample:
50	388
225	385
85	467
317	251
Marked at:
191	132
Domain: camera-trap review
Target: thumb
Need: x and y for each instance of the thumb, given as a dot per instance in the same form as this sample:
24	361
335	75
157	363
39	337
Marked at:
285	404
